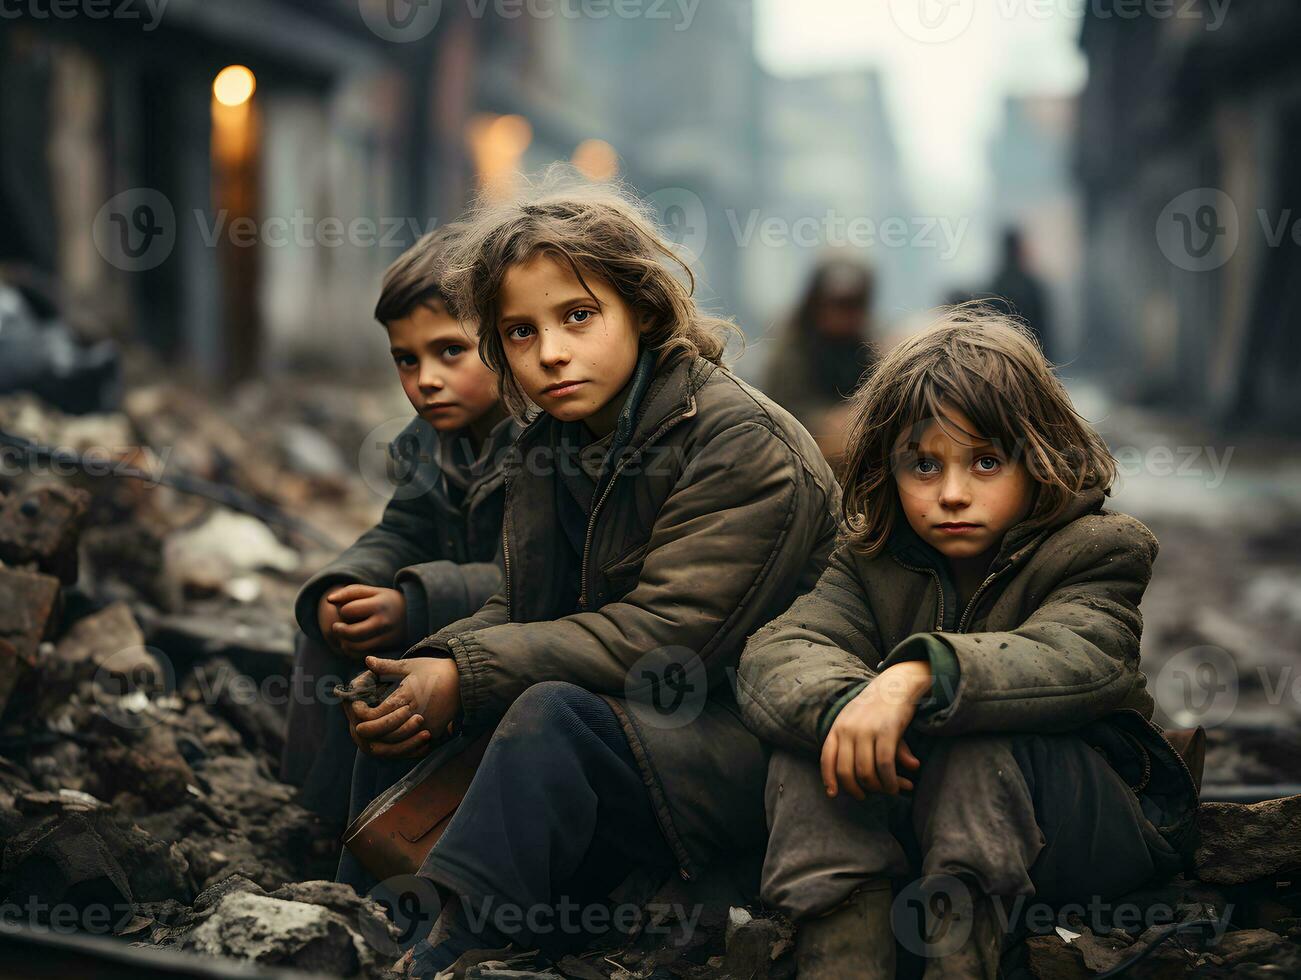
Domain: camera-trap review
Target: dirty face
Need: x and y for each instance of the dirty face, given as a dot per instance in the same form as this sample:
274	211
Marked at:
439	366
571	355
959	492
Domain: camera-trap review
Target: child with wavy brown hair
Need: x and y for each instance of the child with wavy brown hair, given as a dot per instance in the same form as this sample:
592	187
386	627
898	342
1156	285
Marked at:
960	694
658	510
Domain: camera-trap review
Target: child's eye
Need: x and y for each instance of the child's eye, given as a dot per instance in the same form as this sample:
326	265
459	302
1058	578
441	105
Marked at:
582	316
521	331
926	467
405	360
452	351
993	464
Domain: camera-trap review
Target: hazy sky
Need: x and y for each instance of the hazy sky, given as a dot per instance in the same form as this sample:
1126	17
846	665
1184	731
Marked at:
946	66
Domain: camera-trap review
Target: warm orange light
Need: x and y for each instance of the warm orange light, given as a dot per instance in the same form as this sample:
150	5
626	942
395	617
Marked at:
596	160
498	144
234	85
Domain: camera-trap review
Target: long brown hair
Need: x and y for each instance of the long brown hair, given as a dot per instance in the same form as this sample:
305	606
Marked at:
598	230
988	366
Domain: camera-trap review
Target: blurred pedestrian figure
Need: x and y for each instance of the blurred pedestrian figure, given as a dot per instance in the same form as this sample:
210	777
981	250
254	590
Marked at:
1016	290
824	351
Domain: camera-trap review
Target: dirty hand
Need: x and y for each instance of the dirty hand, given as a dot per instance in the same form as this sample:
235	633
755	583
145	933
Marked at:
359	619
404	724
865	745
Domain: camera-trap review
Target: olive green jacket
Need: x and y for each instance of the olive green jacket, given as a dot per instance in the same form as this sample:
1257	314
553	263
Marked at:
1048	643
720	511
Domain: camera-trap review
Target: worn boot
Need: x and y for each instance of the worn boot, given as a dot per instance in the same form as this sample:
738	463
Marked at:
853	941
968	941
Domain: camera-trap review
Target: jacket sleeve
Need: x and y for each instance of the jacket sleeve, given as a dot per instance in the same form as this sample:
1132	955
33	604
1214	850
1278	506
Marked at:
405	536
438	593
1074	659
799	670
731	539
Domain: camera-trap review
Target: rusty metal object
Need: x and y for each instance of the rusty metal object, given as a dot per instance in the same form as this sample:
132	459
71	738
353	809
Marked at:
41	526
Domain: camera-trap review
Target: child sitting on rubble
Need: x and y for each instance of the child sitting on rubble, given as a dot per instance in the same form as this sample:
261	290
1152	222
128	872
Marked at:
974	643
658	510
434	557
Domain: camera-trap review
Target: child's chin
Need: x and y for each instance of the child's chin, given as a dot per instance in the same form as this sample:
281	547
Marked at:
950	548
446	421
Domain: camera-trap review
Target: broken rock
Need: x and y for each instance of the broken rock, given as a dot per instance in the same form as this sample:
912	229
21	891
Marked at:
201	560
281	932
27	602
109	647
1242	843
41	527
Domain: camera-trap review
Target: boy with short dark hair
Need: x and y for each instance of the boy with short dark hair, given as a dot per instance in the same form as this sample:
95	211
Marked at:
434	557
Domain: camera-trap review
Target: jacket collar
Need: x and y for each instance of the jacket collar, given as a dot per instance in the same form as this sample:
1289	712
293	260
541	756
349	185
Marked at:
669	392
422	443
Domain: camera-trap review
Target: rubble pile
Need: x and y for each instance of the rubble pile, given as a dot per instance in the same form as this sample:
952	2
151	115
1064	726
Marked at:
146	636
145	645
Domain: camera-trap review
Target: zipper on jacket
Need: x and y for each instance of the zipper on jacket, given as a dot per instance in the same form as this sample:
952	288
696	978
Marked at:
609	485
939	590
971	603
505	541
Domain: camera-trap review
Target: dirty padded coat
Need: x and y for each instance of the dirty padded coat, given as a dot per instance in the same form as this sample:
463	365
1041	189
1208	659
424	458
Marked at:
719	512
1049	643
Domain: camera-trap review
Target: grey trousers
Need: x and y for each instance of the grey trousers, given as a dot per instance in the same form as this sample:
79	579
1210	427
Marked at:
1010	815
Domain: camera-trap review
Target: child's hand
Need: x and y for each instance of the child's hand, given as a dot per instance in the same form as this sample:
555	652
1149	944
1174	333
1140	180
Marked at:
406	722
366	618
865	744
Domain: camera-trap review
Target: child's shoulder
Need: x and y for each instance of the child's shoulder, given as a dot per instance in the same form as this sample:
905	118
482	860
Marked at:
724	402
1104	535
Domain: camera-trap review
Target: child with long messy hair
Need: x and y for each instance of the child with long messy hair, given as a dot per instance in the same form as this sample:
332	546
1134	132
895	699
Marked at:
960	695
658	510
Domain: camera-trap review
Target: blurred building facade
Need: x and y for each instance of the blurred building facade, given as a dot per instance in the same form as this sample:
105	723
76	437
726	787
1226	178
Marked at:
286	208
1188	132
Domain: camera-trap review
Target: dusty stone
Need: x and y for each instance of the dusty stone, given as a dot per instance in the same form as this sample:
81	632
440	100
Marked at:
64	862
108	646
211	897
341	935
236	697
199	561
1248	842
277	933
27	602
1251	946
365	916
157	776
750	946
41	527
255	641
1051	958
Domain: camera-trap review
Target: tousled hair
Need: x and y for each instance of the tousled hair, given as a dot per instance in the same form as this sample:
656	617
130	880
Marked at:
596	229
988	366
416	277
